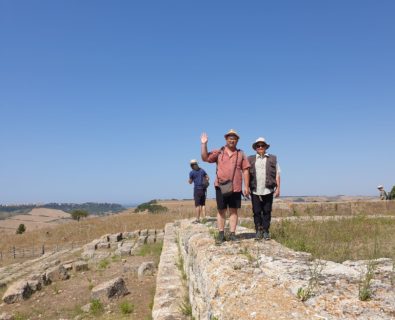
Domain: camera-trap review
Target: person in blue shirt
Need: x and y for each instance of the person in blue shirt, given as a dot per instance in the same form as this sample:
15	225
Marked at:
201	180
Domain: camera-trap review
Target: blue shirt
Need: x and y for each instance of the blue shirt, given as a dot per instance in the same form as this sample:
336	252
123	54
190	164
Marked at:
197	177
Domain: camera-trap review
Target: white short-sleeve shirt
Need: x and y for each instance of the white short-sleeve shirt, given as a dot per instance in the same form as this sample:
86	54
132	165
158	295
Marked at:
260	168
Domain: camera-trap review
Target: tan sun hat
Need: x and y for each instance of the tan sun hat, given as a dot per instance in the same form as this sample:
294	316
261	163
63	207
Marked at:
260	139
193	161
231	132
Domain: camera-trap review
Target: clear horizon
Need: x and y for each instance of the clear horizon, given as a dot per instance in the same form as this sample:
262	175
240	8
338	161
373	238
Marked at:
106	102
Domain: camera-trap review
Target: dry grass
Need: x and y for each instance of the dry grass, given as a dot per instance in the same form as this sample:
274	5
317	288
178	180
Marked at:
84	231
88	229
339	239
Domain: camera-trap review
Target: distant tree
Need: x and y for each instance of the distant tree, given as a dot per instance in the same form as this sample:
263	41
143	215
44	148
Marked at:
392	193
78	214
151	207
21	229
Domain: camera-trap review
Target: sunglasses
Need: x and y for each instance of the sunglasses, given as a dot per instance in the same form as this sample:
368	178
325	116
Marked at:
261	145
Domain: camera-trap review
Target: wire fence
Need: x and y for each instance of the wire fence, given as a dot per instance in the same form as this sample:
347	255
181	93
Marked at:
15	252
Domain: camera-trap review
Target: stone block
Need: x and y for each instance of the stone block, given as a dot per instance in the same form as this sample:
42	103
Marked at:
103	245
80	266
17	292
111	289
115	237
146	268
57	273
68	266
150	239
35	285
88	254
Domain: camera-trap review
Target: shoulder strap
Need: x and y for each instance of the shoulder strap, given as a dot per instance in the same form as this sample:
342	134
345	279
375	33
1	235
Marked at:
234	170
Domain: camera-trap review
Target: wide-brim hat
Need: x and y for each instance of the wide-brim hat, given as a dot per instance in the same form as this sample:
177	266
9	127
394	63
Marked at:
231	132
193	161
262	140
380	187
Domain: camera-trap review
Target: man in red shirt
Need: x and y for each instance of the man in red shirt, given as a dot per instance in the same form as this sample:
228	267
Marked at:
232	164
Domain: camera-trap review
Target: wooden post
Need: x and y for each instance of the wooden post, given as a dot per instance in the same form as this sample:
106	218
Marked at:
42	250
14	252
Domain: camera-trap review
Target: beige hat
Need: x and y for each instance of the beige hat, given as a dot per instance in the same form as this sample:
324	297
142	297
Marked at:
230	133
380	187
193	161
260	139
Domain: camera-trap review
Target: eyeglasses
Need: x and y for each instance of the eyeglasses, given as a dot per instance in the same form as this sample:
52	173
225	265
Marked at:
260	145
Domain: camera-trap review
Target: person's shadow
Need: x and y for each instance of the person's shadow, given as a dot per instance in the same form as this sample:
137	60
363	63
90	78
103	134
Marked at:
246	235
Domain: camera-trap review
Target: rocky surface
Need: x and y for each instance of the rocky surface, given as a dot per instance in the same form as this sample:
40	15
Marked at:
22	280
227	281
170	290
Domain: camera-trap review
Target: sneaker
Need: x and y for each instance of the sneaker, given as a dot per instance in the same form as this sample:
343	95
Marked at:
266	235
220	238
259	235
196	221
233	238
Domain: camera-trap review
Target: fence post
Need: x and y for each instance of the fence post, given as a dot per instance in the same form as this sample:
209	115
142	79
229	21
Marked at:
33	251
14	252
1	255
42	250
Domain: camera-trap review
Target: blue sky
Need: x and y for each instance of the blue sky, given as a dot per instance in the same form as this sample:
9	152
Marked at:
106	100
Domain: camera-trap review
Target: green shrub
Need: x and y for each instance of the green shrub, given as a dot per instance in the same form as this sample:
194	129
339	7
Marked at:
96	307
126	307
151	207
78	214
103	264
21	229
152	249
392	193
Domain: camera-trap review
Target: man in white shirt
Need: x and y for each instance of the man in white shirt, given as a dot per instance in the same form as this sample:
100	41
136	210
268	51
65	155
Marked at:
264	184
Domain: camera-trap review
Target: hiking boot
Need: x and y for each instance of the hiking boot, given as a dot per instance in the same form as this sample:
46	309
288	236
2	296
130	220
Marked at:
196	221
220	238
233	238
259	235
266	235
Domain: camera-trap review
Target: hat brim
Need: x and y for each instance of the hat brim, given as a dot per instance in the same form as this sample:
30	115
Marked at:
231	134
254	145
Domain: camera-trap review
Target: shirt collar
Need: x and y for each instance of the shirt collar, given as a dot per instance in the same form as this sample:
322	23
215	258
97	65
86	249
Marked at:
258	156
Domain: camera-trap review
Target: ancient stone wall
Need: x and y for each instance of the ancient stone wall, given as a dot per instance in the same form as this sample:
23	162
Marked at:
265	280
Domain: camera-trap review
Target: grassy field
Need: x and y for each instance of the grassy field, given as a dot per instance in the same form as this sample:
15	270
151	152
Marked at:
357	238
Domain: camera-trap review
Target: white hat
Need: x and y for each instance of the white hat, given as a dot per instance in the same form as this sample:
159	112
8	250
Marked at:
260	139
380	187
231	132
193	161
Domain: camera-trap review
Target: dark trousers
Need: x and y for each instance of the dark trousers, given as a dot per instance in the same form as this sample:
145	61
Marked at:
262	208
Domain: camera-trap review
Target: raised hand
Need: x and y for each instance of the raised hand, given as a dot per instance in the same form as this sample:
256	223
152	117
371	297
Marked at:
204	138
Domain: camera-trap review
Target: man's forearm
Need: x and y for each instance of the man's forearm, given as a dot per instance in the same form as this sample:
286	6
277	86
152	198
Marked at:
204	151
246	175
278	180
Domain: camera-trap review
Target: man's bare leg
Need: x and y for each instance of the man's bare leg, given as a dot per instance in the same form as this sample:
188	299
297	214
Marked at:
197	209
203	212
233	218
221	216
